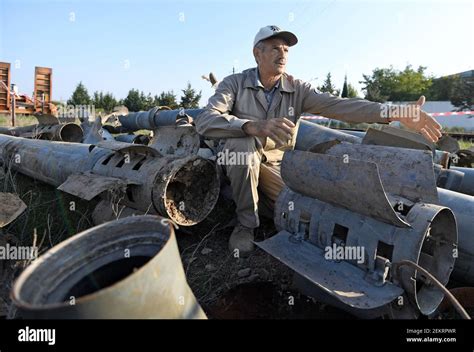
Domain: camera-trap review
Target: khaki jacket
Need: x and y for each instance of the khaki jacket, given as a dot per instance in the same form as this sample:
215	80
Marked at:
239	99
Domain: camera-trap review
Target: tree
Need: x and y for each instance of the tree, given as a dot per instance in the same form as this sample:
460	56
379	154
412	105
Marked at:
345	89
389	84
166	99
352	91
348	90
328	86
133	100
190	98
443	88
463	95
108	102
80	96
97	100
149	103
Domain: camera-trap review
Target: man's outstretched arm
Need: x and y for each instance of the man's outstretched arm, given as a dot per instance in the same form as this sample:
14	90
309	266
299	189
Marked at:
360	110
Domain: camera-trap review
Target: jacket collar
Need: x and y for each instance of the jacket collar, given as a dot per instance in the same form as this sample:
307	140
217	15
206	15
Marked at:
251	81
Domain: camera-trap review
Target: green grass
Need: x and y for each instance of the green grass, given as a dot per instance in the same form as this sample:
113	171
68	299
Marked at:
465	144
21	120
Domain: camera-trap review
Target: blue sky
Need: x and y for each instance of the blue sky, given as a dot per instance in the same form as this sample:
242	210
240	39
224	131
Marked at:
161	45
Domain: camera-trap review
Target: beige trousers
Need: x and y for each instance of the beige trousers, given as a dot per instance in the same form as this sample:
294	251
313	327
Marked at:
249	177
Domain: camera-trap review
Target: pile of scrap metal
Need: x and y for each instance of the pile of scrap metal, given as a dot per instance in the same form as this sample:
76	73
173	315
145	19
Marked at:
117	269
353	213
183	188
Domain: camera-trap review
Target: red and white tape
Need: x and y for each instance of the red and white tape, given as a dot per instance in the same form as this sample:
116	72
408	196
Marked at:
454	113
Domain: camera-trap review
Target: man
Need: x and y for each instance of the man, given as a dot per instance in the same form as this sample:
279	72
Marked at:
254	113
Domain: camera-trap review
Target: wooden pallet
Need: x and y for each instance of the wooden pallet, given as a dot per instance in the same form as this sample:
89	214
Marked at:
43	85
5	100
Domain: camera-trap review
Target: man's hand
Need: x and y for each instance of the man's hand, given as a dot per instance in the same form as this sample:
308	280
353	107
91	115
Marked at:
279	129
422	122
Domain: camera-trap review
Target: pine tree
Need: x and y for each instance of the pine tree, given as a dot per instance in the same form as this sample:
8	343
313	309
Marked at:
80	96
190	99
166	99
133	101
345	90
352	91
328	86
108	102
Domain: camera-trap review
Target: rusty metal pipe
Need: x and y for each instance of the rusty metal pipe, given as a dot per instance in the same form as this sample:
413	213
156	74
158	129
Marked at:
156	117
124	269
310	134
133	138
67	132
467	184
185	189
462	206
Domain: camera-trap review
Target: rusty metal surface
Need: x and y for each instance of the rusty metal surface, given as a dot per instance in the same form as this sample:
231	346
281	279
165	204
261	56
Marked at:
50	162
94	132
11	207
309	134
68	132
342	280
448	144
125	269
88	185
430	241
442	158
184	189
329	179
133	138
175	140
448	179
134	121
157	117
462	206
396	137
127	148
172	117
467	183
106	211
404	172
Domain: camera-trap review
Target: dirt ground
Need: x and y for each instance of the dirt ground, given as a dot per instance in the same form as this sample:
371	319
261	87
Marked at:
255	287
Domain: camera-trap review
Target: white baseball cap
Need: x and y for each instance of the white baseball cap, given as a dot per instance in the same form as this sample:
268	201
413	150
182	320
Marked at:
275	31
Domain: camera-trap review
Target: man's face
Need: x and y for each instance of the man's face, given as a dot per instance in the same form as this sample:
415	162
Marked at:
272	56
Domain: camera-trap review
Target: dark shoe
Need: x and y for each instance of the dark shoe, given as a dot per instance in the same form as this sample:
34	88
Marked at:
242	239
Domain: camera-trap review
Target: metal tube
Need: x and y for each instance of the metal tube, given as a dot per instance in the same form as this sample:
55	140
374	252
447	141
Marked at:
467	184
68	132
133	138
154	118
310	134
124	269
185	189
462	206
